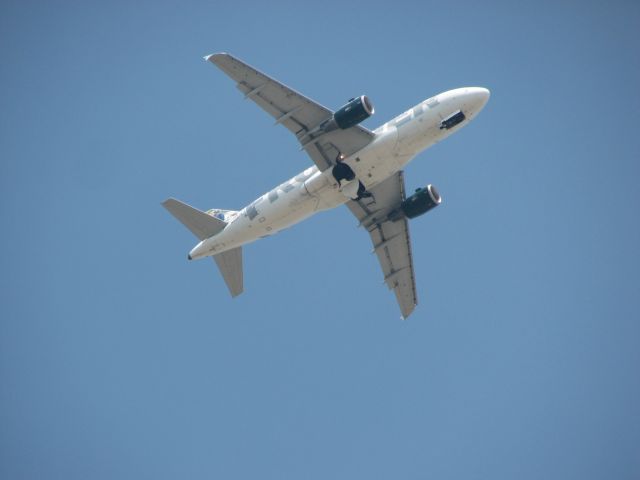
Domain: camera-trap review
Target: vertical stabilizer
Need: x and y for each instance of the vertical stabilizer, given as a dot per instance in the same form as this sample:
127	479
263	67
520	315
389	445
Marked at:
230	265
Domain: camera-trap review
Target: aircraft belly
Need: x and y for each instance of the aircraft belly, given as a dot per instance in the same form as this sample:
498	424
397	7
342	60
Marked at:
376	162
324	189
265	217
285	215
417	135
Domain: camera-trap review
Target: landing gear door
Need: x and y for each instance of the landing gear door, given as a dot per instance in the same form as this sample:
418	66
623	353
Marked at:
452	120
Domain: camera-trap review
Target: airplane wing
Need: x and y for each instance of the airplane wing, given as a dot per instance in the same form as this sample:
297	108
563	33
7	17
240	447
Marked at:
391	241
296	112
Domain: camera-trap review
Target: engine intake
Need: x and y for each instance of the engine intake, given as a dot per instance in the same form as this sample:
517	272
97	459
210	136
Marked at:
421	202
354	112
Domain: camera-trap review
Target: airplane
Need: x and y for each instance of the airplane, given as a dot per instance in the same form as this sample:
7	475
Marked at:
353	165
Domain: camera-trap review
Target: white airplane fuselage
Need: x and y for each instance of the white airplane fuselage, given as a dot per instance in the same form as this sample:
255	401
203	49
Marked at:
395	144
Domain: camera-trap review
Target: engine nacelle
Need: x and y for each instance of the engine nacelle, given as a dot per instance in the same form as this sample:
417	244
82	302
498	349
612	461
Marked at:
354	112
421	202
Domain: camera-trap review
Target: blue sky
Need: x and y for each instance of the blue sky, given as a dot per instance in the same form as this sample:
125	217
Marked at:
120	359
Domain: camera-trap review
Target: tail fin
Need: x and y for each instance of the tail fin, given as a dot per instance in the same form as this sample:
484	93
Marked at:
201	224
204	226
230	265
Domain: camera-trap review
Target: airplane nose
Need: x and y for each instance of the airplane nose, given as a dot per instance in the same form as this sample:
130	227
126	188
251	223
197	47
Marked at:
479	97
480	94
484	94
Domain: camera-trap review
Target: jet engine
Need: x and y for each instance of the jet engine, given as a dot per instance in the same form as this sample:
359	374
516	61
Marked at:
355	111
352	113
421	202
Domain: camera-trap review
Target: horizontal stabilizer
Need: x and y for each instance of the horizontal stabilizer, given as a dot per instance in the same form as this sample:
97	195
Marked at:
200	223
230	265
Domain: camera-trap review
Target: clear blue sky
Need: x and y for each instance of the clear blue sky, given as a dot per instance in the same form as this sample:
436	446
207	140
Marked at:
120	359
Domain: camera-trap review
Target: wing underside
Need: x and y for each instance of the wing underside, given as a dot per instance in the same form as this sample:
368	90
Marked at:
296	112
390	238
